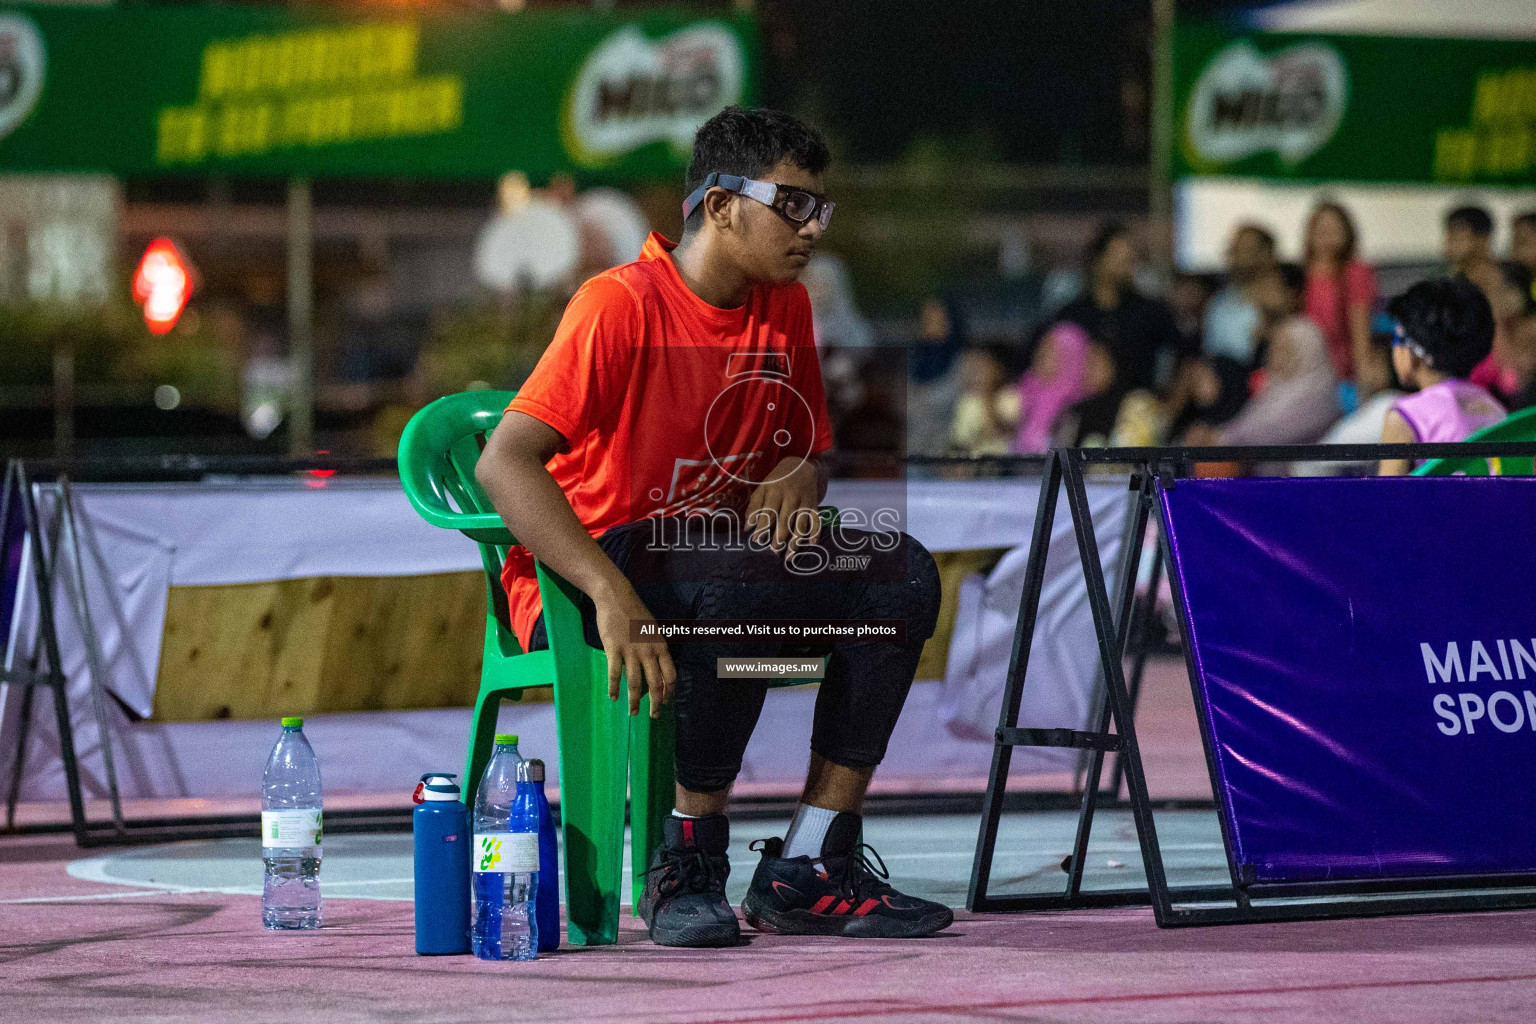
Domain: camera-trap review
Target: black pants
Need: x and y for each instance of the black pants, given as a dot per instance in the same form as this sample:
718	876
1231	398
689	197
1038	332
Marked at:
866	682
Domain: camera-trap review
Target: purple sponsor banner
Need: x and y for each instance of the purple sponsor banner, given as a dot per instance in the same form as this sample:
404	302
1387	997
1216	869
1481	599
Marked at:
1364	658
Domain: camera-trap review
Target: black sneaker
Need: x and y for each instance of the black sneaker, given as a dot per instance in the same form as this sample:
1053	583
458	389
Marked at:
684	899
850	897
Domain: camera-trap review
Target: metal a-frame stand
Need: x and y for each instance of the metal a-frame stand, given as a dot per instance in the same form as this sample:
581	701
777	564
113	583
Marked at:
1243	900
43	665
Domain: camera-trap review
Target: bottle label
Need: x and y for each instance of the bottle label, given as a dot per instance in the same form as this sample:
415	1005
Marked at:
292	829
506	852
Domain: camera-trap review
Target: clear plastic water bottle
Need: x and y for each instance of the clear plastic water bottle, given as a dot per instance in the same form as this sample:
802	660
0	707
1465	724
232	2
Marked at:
506	858
291	828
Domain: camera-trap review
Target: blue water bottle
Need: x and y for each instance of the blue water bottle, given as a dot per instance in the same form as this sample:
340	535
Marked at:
440	825
505	859
547	903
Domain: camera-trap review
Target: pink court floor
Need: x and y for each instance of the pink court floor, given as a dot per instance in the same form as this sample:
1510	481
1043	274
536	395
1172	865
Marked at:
172	934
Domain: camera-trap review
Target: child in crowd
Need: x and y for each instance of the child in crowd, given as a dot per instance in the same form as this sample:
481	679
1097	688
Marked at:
1444	330
988	407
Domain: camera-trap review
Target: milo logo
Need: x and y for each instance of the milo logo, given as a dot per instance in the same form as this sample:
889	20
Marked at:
633	91
22	63
1245	103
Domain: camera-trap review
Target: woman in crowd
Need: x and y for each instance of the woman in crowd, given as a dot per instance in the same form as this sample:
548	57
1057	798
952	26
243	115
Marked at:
1444	329
1299	397
1509	294
933	367
1341	290
1066	369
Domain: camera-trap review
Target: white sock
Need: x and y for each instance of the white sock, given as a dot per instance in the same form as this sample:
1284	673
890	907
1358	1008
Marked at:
807	831
691	817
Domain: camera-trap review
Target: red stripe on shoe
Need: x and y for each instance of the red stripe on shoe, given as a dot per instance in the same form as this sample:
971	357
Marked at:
842	907
822	904
687	832
866	907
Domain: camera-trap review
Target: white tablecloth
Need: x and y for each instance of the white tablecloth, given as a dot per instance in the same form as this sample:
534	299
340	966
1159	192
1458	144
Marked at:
137	540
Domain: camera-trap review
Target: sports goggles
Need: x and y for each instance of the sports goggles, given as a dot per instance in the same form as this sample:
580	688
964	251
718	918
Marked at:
1400	339
793	204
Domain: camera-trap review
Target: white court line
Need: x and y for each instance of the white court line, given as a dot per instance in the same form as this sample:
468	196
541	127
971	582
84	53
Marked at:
1003	854
87	896
95	869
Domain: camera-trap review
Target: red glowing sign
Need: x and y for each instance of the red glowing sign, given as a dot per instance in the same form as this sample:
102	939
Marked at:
162	285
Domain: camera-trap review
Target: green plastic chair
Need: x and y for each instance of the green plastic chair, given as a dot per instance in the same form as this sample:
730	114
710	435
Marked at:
437	457
1518	426
601	746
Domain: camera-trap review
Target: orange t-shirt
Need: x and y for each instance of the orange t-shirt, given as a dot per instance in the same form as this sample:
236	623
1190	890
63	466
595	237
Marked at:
668	403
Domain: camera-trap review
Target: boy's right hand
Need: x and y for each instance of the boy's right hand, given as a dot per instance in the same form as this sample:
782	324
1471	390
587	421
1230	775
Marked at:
647	665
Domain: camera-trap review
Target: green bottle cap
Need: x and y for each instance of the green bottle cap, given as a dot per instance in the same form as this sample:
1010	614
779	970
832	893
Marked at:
504	739
293	722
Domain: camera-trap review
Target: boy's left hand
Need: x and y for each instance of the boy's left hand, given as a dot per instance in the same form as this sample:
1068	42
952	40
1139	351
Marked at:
775	509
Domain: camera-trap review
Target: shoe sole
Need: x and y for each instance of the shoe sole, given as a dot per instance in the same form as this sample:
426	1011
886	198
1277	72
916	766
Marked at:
803	922
704	936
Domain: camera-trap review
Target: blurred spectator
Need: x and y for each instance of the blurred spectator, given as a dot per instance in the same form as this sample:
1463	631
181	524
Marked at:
876	423
1298	400
1522	241
934	376
941	337
1132	328
1377	392
1510	300
1525	361
1341	290
988	407
1469	247
1211	392
843	336
1444	329
1063	371
1232	320
1189	298
835	318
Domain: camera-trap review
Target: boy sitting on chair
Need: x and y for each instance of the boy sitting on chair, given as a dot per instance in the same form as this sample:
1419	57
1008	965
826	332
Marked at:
1444	329
682	396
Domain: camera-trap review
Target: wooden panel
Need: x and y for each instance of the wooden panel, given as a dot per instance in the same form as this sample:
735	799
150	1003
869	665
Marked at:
954	567
261	650
356	643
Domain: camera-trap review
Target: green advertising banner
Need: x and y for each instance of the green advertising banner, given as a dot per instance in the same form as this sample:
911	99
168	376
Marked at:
266	91
1352	108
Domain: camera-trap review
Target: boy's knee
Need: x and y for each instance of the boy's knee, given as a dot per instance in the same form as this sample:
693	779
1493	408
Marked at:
924	589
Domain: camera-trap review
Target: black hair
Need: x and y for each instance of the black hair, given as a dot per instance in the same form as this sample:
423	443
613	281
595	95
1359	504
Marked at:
1351	235
1526	219
1474	218
1264	235
1107	233
750	143
1293	277
1450	319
